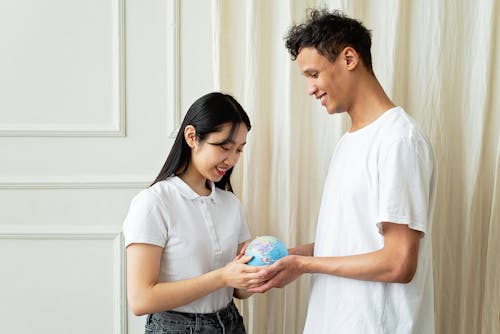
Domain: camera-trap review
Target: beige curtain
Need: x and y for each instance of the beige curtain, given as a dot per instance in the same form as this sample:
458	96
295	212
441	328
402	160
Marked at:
437	59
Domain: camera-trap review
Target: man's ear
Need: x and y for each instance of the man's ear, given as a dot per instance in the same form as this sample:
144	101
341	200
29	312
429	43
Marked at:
350	57
190	135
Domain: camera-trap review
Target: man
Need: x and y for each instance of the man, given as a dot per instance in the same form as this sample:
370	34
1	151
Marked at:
371	260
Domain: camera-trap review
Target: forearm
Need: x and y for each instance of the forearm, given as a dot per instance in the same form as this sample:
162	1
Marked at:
395	262
165	296
303	250
374	266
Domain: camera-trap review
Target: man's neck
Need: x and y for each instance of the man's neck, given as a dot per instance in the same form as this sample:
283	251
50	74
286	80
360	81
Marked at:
371	102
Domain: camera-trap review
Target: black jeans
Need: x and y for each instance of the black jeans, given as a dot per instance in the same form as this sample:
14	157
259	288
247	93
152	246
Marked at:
225	321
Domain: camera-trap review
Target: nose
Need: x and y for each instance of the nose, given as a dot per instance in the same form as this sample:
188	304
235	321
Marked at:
232	158
311	89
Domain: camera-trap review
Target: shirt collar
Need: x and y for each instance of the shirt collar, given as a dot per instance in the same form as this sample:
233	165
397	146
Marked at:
189	193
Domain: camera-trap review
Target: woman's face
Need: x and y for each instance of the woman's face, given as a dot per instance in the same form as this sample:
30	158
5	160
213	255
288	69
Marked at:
211	160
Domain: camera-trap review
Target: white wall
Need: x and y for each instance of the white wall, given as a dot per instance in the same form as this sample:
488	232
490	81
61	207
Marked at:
89	95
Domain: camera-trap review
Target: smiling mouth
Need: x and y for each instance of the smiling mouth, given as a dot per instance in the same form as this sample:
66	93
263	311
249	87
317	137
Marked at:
221	171
322	98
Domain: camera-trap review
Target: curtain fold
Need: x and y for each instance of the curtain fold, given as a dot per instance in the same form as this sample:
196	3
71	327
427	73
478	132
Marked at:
437	60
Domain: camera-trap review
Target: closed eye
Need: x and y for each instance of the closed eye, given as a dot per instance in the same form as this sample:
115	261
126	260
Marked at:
311	74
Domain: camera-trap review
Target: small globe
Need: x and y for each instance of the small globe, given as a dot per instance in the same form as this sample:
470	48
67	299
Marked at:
265	250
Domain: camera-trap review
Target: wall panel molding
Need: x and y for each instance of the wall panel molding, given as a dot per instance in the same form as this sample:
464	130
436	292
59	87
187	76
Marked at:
78	182
174	65
117	128
114	234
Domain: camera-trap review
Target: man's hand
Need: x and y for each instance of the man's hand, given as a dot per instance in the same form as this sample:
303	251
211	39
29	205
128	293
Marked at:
279	274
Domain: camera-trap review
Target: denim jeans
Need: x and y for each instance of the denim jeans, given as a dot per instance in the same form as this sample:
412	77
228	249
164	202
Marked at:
225	321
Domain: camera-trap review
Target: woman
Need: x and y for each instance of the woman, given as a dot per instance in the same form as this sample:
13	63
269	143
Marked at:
185	234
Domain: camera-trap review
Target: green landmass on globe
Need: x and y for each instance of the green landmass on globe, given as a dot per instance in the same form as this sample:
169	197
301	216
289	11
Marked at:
265	250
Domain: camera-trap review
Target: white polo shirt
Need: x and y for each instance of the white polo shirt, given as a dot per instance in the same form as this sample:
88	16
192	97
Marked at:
198	233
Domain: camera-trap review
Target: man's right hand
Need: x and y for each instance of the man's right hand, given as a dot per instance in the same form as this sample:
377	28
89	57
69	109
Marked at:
280	273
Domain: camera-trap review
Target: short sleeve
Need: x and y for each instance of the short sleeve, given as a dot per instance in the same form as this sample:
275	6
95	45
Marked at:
146	221
405	176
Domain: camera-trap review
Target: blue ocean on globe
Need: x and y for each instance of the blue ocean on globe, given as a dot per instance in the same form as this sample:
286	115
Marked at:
265	250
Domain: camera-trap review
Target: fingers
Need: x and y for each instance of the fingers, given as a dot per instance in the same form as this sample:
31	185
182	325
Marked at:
269	272
263	283
262	288
253	283
243	258
248	283
242	276
244	248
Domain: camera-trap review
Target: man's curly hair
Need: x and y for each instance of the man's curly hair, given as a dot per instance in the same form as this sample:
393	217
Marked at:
329	33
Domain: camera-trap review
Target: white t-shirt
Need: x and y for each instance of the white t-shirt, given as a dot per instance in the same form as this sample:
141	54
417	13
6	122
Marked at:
383	172
198	234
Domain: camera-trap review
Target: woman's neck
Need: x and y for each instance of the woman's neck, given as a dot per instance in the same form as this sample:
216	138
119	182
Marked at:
197	182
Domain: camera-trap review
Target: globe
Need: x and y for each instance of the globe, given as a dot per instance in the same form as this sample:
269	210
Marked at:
265	250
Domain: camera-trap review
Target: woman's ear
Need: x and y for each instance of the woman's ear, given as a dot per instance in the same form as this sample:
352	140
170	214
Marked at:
190	135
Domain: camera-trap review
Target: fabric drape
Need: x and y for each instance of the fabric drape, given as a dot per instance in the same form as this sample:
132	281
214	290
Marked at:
439	61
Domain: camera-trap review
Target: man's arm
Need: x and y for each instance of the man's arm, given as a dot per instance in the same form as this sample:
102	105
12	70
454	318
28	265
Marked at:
396	262
304	250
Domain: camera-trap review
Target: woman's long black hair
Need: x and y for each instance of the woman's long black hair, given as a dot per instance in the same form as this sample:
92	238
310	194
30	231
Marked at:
208	114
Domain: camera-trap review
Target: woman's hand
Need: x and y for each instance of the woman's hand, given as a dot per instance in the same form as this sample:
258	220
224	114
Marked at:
239	275
242	248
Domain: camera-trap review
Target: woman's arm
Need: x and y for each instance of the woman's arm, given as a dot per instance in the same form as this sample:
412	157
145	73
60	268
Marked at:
147	295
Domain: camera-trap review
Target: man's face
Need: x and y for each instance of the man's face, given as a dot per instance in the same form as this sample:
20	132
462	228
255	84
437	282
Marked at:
327	81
